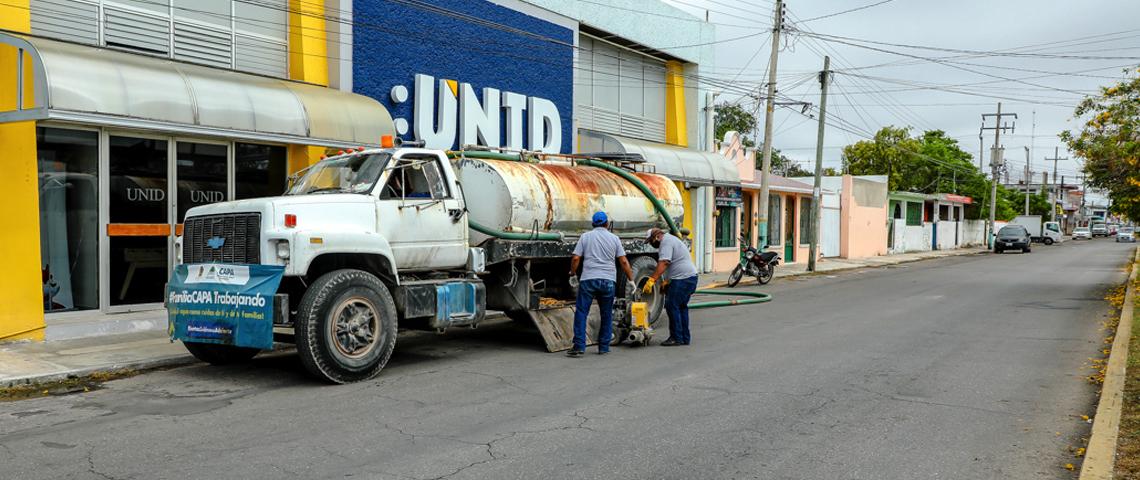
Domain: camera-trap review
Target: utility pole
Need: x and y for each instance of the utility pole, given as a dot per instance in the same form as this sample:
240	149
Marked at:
816	195
995	164
1052	195
1028	175
762	217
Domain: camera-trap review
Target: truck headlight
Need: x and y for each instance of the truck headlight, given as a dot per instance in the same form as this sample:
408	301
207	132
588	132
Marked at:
283	249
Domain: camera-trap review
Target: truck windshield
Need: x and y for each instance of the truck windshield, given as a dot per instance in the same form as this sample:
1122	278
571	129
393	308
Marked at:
348	174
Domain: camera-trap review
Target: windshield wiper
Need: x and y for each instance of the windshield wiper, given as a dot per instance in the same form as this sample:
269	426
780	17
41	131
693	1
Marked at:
326	189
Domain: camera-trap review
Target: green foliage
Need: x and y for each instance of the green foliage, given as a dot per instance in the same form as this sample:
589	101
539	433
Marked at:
928	163
1109	141
1012	203
734	118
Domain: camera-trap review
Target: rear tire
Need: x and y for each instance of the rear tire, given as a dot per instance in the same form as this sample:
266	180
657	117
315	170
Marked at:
735	276
215	354
346	326
766	275
642	268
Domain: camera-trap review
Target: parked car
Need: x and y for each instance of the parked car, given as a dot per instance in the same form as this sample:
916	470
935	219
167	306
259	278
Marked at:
1012	237
1080	233
1099	230
1125	234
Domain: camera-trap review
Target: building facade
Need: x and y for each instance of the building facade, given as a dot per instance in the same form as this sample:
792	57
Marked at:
120	115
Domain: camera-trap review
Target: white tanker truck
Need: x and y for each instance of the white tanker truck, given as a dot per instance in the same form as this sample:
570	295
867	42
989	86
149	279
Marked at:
375	240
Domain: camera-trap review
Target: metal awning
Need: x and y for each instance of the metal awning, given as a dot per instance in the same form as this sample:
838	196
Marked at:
680	164
81	83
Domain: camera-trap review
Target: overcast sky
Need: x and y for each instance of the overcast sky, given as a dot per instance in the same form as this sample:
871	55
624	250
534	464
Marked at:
1048	86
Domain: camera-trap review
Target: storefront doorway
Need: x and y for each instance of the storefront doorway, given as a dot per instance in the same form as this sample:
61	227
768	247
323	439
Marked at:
790	229
123	195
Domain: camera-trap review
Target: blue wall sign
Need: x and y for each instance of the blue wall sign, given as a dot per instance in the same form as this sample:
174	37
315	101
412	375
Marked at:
223	304
507	80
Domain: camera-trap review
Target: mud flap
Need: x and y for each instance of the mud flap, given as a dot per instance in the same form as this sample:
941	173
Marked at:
556	325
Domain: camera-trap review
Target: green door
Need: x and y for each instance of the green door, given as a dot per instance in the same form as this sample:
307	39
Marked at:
790	229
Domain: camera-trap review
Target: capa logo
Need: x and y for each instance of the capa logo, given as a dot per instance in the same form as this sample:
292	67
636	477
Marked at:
447	110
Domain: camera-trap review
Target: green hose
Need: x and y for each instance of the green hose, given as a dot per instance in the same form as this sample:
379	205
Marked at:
640	186
757	297
478	227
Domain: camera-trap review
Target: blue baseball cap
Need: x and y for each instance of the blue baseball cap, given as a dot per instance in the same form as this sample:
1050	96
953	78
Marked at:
600	219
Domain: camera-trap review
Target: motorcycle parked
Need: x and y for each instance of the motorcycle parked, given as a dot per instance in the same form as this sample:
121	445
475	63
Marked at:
761	265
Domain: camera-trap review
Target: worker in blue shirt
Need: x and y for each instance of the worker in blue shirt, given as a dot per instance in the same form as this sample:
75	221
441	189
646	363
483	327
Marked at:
598	252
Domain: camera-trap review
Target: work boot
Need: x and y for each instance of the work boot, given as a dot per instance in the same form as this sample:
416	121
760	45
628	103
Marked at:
575	353
670	343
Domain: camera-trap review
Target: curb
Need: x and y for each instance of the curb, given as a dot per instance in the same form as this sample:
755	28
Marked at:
141	365
1101	453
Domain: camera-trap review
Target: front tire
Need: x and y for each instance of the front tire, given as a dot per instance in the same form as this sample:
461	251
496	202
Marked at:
346	326
215	354
1025	250
1048	241
735	276
998	250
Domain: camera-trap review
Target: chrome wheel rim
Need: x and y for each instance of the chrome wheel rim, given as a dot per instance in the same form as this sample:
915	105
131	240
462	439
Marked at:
354	327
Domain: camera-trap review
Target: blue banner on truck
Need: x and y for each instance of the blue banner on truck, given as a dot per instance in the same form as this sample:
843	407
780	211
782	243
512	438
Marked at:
223	304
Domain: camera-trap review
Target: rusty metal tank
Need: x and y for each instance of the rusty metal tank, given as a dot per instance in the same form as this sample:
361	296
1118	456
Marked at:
559	197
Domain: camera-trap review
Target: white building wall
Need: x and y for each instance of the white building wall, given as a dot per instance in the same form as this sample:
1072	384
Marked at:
671	30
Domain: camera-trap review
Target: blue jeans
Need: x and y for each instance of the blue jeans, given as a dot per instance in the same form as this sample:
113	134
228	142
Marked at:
677	307
603	291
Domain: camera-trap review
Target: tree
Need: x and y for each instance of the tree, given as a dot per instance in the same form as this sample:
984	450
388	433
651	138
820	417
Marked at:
1109	141
731	117
929	163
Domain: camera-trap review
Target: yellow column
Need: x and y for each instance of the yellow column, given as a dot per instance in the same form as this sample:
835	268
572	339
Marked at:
687	217
676	126
21	286
308	62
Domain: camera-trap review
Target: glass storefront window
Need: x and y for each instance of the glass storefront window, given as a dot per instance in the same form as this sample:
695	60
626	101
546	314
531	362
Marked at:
139	226
68	163
260	170
725	227
201	175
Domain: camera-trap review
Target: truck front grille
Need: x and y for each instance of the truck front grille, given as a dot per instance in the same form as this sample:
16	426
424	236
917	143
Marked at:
232	238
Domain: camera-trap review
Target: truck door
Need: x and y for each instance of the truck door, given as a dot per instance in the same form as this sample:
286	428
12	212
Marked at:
1053	230
420	213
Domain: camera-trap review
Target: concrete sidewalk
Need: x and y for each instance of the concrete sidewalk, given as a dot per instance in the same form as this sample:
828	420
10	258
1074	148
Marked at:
31	363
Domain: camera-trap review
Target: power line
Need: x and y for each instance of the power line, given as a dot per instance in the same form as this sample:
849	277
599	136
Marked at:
992	53
856	9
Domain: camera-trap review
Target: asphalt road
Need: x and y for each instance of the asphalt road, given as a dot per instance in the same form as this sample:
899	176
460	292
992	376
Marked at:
967	367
